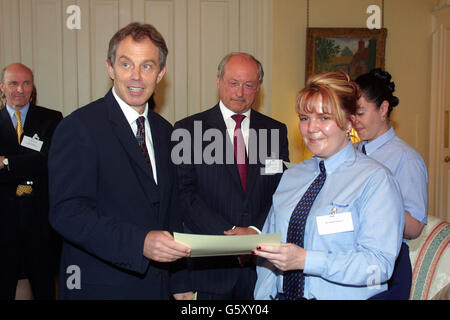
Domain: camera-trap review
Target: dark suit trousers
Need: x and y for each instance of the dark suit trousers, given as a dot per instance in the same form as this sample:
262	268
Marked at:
242	289
27	259
399	286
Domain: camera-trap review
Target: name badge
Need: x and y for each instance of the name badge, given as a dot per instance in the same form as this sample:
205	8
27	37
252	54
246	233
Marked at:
273	166
335	223
32	143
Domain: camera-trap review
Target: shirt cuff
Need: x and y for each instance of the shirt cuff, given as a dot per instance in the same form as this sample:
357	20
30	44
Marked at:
256	229
251	227
315	262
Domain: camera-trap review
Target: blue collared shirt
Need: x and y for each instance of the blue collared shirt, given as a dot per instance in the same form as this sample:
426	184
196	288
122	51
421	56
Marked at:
344	265
408	168
23	114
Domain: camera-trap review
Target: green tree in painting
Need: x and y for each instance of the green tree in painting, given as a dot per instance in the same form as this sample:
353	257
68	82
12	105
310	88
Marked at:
326	50
346	52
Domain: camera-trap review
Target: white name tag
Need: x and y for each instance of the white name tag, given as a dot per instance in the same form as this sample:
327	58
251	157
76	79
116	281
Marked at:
30	143
335	223
273	166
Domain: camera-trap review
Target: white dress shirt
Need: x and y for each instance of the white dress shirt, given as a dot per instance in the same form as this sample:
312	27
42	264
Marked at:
132	115
245	128
23	114
231	124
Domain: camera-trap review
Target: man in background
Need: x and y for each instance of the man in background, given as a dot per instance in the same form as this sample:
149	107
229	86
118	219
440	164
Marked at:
28	245
231	198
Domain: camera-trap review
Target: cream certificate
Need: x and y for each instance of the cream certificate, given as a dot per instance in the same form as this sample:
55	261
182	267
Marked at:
206	245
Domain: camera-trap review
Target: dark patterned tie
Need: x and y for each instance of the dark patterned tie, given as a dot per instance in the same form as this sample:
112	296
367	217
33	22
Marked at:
294	280
364	149
140	136
239	150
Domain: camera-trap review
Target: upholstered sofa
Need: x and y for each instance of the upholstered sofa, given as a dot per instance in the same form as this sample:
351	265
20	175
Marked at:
430	258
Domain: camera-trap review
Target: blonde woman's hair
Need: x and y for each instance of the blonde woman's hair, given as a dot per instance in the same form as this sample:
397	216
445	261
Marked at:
338	92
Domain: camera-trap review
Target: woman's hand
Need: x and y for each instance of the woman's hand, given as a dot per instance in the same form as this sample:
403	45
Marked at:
286	256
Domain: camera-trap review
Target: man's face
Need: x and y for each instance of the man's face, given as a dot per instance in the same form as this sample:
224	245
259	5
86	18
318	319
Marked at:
239	84
136	71
17	86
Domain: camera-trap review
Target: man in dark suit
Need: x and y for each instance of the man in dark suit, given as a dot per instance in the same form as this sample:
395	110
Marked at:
28	244
113	186
230	197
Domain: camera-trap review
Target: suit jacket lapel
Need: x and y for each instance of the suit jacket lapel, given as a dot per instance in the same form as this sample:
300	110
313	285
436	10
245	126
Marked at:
162	165
32	122
158	146
124	133
254	168
215	120
30	126
7	127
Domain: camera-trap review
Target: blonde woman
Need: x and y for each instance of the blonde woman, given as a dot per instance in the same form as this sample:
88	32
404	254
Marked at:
340	213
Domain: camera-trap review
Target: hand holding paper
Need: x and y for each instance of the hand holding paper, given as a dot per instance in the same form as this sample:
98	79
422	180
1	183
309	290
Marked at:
160	246
285	257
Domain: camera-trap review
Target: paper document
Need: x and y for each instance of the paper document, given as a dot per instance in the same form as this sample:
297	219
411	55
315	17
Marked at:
206	245
288	164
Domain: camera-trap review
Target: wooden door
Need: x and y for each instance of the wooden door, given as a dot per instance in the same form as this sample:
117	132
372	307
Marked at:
439	164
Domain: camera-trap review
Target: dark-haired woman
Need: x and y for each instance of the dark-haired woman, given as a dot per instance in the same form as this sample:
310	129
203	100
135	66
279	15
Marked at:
380	142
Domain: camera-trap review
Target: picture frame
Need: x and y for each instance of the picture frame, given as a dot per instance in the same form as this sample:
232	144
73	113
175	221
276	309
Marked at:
353	50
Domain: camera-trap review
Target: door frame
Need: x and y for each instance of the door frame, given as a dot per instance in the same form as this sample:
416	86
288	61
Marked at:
436	196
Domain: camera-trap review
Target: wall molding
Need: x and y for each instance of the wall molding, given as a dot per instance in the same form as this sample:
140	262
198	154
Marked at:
70	65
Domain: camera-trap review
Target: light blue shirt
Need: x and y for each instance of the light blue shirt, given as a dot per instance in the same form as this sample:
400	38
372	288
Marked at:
408	168
344	265
23	114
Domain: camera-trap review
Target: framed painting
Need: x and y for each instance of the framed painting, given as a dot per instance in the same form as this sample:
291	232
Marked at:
352	50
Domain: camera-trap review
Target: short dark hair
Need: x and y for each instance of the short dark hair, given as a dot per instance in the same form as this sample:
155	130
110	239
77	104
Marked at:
378	87
139	32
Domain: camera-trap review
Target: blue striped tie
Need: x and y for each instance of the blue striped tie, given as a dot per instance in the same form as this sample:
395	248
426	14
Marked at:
294	280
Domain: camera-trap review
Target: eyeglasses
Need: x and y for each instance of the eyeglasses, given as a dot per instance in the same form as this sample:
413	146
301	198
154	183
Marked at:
250	86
